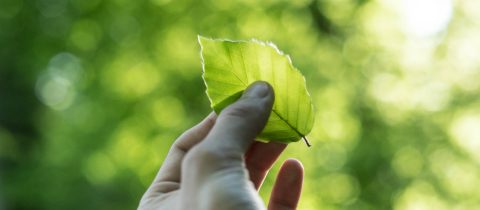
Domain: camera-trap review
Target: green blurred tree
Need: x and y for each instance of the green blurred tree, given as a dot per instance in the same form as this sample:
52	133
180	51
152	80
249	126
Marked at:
92	93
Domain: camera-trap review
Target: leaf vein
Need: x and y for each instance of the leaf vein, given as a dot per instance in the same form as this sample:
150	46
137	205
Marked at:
231	65
225	82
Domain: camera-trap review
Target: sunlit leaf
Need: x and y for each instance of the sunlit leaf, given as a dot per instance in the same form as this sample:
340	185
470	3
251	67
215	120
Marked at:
231	66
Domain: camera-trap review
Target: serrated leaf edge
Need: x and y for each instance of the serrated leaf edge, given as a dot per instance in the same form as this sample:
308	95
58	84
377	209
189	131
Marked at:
263	43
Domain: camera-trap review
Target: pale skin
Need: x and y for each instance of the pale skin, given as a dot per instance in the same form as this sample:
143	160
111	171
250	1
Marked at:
217	165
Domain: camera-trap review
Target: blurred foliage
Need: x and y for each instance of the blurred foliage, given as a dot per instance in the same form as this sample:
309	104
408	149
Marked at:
93	92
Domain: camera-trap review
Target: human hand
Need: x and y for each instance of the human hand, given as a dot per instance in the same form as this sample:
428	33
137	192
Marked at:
216	165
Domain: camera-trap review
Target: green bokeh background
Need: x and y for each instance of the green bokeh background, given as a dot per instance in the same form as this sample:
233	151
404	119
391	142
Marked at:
93	93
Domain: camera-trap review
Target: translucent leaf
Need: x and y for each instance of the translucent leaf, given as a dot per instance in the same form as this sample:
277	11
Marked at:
229	67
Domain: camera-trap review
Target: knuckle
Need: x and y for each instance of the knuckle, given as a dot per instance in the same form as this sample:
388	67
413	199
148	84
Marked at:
204	155
242	110
208	158
210	121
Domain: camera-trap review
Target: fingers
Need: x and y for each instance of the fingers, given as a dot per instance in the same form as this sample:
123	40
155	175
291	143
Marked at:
171	167
260	158
288	186
218	159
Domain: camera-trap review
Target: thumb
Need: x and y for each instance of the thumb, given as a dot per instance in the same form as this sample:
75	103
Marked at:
217	161
238	125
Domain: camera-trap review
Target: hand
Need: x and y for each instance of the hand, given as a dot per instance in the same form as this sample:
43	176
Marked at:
216	165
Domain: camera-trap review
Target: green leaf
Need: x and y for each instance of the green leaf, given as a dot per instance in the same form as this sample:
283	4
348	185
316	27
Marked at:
229	67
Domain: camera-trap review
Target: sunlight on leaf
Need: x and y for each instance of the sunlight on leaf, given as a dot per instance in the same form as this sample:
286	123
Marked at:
231	66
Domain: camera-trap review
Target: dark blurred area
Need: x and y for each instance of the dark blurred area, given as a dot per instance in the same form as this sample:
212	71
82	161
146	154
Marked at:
93	93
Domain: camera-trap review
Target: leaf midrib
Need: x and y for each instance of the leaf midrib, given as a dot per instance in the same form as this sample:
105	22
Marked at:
286	122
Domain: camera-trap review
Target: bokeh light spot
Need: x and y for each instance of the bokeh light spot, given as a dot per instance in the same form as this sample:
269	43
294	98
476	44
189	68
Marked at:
420	195
85	35
55	92
459	177
331	156
425	18
174	50
168	112
99	168
66	65
56	88
130	78
334	120
465	132
408	162
128	145
339	188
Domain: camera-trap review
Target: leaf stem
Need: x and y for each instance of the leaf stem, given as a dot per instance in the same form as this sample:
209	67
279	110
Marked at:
306	141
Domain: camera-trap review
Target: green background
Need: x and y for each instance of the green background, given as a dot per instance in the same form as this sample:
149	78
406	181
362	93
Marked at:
93	93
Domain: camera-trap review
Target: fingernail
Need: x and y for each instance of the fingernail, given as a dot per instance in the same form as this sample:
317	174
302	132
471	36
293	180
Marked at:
257	89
